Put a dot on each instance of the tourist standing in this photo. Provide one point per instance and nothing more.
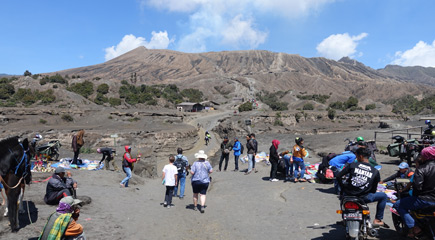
(237, 148)
(226, 147)
(299, 153)
(273, 159)
(182, 165)
(169, 177)
(200, 171)
(127, 165)
(251, 152)
(76, 144)
(255, 146)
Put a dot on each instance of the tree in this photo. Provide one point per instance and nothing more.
(103, 88)
(247, 106)
(351, 102)
(331, 114)
(27, 73)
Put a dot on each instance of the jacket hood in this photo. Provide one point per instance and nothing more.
(127, 148)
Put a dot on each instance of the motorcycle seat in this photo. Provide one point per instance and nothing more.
(353, 199)
(426, 210)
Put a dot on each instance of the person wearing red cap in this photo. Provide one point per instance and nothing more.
(423, 190)
(127, 165)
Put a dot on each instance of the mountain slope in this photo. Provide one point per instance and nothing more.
(244, 73)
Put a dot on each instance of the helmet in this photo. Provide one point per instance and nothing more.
(38, 137)
(298, 140)
(403, 165)
(427, 122)
(359, 139)
(127, 148)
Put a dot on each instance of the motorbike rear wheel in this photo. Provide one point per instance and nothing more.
(399, 225)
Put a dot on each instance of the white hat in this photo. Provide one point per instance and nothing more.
(201, 154)
(70, 201)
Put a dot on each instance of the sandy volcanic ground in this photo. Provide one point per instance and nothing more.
(238, 206)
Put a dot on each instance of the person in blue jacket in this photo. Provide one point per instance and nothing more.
(237, 148)
(342, 159)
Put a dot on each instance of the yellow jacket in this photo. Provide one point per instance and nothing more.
(299, 152)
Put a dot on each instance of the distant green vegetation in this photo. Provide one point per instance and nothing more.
(53, 79)
(247, 106)
(148, 93)
(370, 106)
(67, 117)
(315, 97)
(271, 99)
(410, 105)
(308, 106)
(10, 97)
(351, 104)
(103, 88)
(85, 88)
(114, 102)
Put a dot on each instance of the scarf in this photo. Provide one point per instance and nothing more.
(275, 143)
(59, 227)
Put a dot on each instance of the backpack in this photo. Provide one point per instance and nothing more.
(242, 148)
(180, 164)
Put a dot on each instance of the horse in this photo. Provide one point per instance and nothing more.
(14, 172)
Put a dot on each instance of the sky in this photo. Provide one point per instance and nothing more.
(47, 36)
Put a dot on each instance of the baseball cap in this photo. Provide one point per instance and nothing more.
(59, 170)
(403, 165)
(70, 201)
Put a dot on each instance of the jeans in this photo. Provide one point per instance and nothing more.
(181, 182)
(128, 172)
(225, 156)
(288, 168)
(379, 197)
(411, 203)
(168, 194)
(236, 162)
(301, 165)
(250, 162)
(76, 156)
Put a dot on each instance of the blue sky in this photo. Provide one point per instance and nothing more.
(47, 36)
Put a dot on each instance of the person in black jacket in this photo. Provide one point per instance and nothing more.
(58, 187)
(226, 147)
(362, 182)
(108, 156)
(423, 190)
(273, 159)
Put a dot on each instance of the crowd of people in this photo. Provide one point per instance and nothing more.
(354, 171)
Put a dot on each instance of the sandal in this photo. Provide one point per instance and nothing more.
(302, 180)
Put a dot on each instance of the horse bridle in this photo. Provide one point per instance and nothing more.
(23, 159)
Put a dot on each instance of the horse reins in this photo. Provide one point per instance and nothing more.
(23, 158)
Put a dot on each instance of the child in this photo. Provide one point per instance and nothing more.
(169, 178)
(299, 153)
(288, 161)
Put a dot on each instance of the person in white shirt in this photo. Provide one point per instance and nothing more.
(169, 178)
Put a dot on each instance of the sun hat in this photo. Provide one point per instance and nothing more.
(70, 201)
(59, 170)
(201, 154)
(403, 165)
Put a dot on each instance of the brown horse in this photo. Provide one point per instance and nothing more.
(14, 172)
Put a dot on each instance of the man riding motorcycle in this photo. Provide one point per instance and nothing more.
(423, 190)
(362, 182)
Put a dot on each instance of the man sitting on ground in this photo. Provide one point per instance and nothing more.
(362, 182)
(58, 186)
(62, 224)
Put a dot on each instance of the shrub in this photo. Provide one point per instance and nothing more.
(152, 102)
(351, 102)
(55, 86)
(298, 117)
(6, 90)
(337, 105)
(278, 122)
(308, 106)
(42, 121)
(135, 119)
(67, 117)
(370, 106)
(87, 150)
(193, 95)
(316, 97)
(85, 88)
(103, 88)
(114, 102)
(272, 101)
(27, 73)
(43, 81)
(100, 99)
(331, 114)
(247, 106)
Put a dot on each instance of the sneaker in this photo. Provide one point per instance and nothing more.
(169, 206)
(181, 198)
(255, 170)
(165, 204)
(202, 209)
(246, 173)
(235, 170)
(274, 180)
(195, 209)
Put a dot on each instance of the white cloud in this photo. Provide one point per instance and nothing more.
(129, 42)
(337, 46)
(230, 22)
(422, 54)
(241, 32)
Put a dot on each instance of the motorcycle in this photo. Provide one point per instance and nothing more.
(356, 218)
(408, 150)
(51, 150)
(424, 218)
